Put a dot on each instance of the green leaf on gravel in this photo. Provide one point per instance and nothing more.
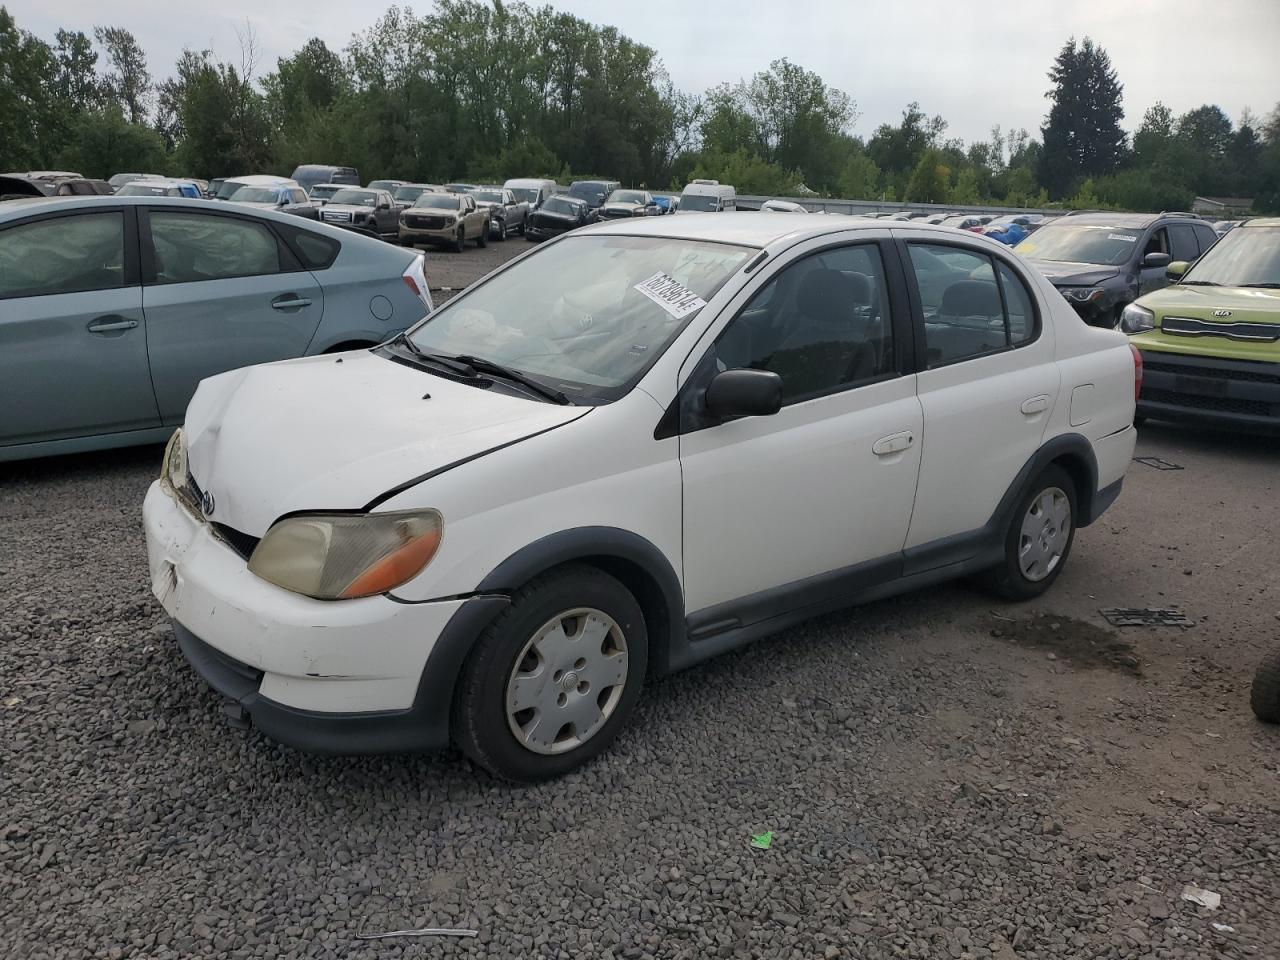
(762, 841)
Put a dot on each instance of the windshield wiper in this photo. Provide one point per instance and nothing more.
(1263, 286)
(497, 369)
(440, 359)
(1198, 283)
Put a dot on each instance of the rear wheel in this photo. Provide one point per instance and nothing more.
(552, 681)
(1038, 538)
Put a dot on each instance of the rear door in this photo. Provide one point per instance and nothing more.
(73, 349)
(987, 385)
(220, 291)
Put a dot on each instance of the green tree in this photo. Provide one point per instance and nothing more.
(27, 83)
(860, 179)
(127, 82)
(103, 142)
(930, 180)
(76, 82)
(1086, 197)
(1082, 136)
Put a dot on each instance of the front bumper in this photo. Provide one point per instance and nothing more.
(1210, 391)
(443, 235)
(351, 676)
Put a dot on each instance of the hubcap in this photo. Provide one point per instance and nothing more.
(1045, 530)
(567, 681)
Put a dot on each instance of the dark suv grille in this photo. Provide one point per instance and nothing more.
(1257, 408)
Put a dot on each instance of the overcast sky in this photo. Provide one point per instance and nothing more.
(976, 62)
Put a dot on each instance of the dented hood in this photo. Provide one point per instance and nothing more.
(335, 432)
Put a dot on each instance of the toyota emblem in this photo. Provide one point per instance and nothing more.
(1222, 313)
(206, 503)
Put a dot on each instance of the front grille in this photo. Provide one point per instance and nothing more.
(615, 214)
(337, 216)
(1196, 401)
(1223, 372)
(426, 223)
(242, 543)
(1250, 332)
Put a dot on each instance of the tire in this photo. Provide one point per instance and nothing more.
(1265, 695)
(524, 225)
(502, 230)
(461, 240)
(483, 239)
(512, 746)
(1035, 519)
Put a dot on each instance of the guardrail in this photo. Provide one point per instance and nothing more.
(855, 207)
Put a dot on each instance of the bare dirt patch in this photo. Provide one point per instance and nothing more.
(1077, 642)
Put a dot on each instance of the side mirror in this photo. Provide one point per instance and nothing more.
(1156, 260)
(1175, 270)
(744, 393)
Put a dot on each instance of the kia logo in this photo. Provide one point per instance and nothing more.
(206, 503)
(1222, 313)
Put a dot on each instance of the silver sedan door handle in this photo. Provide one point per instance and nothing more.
(110, 324)
(895, 443)
(290, 303)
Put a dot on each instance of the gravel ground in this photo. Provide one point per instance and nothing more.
(944, 777)
(449, 272)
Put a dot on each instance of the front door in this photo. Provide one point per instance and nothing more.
(1153, 278)
(73, 348)
(828, 482)
(223, 293)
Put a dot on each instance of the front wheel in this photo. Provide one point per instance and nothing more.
(483, 239)
(460, 240)
(1038, 538)
(551, 682)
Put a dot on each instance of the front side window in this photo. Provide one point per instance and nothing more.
(190, 247)
(1158, 242)
(822, 324)
(587, 315)
(1182, 241)
(62, 255)
(968, 312)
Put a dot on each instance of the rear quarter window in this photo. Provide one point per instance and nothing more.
(314, 252)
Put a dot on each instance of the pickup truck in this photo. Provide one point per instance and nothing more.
(506, 213)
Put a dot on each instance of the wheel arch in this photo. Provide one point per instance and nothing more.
(628, 557)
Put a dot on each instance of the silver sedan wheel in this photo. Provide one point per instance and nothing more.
(1046, 529)
(567, 681)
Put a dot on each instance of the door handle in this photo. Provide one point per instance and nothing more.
(109, 324)
(289, 302)
(1035, 405)
(895, 443)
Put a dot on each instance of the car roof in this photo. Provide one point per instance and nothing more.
(747, 229)
(258, 179)
(1135, 220)
(16, 209)
(1260, 222)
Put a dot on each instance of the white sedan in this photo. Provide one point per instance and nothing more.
(643, 444)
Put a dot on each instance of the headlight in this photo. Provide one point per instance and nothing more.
(1081, 294)
(342, 556)
(173, 469)
(1136, 319)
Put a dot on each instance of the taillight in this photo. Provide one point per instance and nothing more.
(1137, 373)
(415, 278)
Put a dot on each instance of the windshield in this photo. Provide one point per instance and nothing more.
(227, 188)
(626, 196)
(590, 192)
(1242, 258)
(409, 193)
(324, 190)
(256, 195)
(120, 179)
(699, 201)
(358, 198)
(560, 205)
(526, 194)
(588, 315)
(383, 184)
(488, 196)
(140, 188)
(1082, 243)
(438, 201)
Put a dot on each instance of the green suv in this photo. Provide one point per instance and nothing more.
(1210, 343)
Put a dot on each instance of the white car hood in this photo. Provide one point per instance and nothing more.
(334, 432)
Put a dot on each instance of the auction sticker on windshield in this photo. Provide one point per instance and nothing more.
(1121, 236)
(671, 295)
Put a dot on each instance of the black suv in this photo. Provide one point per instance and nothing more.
(1101, 262)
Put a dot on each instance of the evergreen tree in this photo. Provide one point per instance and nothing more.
(1082, 135)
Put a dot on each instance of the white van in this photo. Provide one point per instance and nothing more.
(232, 184)
(707, 196)
(532, 191)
